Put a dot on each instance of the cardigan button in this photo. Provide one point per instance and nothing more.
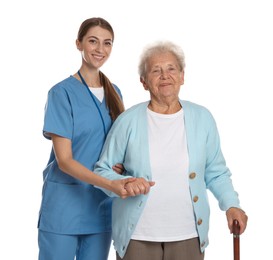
(192, 175)
(195, 198)
(199, 222)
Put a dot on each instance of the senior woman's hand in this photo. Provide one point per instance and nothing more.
(118, 186)
(118, 168)
(138, 186)
(238, 214)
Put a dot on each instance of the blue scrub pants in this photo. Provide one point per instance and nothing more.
(66, 247)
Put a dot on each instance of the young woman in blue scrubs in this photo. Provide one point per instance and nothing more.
(75, 217)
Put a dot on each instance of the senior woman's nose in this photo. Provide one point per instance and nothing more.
(164, 74)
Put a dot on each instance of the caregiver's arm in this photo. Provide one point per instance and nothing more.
(66, 162)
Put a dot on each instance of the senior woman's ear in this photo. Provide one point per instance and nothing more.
(142, 80)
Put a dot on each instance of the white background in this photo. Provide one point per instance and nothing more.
(228, 48)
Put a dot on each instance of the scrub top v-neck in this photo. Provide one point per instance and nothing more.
(70, 206)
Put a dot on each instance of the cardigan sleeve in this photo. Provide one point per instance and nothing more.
(217, 174)
(113, 152)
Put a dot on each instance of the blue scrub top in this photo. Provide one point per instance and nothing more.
(70, 206)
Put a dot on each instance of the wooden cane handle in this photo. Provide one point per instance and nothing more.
(236, 228)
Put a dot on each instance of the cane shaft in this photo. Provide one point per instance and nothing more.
(236, 240)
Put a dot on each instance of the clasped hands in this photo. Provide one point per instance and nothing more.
(132, 186)
(138, 186)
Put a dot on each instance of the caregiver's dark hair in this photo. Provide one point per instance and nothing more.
(112, 98)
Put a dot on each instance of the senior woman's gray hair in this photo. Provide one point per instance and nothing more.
(157, 48)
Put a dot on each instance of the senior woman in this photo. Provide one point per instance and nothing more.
(174, 143)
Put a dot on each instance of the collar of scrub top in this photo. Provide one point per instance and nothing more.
(93, 98)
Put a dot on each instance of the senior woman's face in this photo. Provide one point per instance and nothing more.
(163, 77)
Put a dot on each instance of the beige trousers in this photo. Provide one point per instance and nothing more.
(179, 250)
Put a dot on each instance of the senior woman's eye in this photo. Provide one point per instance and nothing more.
(156, 71)
(171, 68)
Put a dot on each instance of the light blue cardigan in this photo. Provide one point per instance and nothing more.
(127, 143)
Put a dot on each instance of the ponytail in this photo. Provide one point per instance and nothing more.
(112, 98)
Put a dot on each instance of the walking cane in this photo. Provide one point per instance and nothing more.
(236, 239)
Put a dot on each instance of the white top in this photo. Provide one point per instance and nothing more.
(168, 214)
(98, 92)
